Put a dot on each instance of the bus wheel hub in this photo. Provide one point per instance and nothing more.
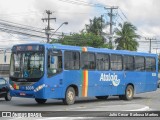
(129, 93)
(70, 95)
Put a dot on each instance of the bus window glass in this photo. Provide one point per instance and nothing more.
(116, 62)
(27, 64)
(139, 63)
(71, 60)
(102, 61)
(150, 64)
(128, 63)
(54, 62)
(88, 60)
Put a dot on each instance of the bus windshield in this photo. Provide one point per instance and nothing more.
(27, 64)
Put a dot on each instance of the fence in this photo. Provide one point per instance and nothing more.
(4, 68)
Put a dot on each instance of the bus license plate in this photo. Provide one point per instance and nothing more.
(22, 94)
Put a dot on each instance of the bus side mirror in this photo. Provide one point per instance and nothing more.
(52, 60)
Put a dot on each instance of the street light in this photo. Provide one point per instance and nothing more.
(66, 23)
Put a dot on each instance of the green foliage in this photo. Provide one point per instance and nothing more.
(126, 37)
(83, 39)
(92, 36)
(96, 25)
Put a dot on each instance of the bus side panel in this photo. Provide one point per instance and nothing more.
(54, 86)
(118, 88)
(97, 86)
(151, 81)
(121, 87)
(102, 83)
(137, 79)
(72, 77)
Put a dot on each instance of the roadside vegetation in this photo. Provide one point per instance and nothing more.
(125, 36)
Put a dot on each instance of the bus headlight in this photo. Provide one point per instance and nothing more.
(39, 88)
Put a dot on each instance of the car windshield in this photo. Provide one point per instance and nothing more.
(27, 64)
(2, 81)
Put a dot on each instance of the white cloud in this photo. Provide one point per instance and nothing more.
(144, 14)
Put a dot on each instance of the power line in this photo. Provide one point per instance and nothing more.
(22, 33)
(47, 30)
(123, 14)
(11, 27)
(83, 3)
(17, 27)
(150, 39)
(120, 17)
(20, 24)
(111, 23)
(128, 19)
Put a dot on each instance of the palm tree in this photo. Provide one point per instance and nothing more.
(95, 26)
(126, 37)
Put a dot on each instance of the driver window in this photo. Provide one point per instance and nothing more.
(54, 62)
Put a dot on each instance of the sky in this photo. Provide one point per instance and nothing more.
(144, 14)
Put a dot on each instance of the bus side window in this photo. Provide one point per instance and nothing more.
(54, 62)
(71, 60)
(128, 62)
(102, 61)
(88, 61)
(150, 64)
(139, 63)
(116, 62)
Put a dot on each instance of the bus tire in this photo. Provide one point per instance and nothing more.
(69, 96)
(40, 101)
(8, 97)
(102, 97)
(129, 92)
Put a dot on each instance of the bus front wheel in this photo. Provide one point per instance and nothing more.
(129, 92)
(69, 96)
(40, 101)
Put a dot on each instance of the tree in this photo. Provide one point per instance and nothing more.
(96, 25)
(83, 39)
(90, 36)
(126, 37)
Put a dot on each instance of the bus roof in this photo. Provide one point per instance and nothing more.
(90, 49)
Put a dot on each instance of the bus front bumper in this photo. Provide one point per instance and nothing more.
(19, 93)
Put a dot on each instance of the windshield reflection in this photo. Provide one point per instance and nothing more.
(27, 65)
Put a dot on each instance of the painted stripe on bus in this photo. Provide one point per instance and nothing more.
(85, 83)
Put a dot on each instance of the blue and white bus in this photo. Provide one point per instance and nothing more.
(55, 71)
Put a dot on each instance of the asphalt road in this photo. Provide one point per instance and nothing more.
(141, 102)
(147, 101)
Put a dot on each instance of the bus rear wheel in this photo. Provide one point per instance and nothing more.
(102, 97)
(129, 93)
(69, 96)
(40, 101)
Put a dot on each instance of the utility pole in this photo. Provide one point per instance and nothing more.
(156, 49)
(150, 42)
(47, 30)
(101, 24)
(111, 23)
